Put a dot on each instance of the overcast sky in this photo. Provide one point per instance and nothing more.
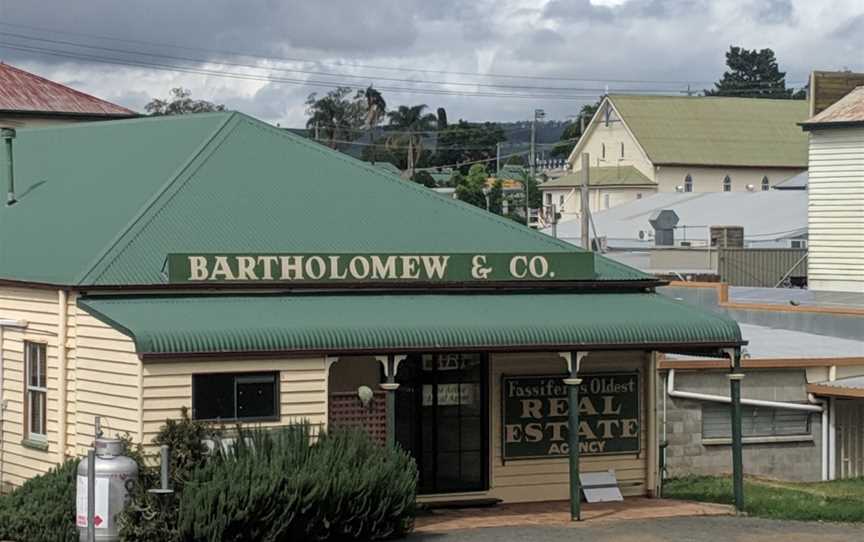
(595, 45)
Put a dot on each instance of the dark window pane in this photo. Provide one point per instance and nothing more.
(213, 396)
(256, 396)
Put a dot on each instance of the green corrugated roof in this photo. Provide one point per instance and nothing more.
(388, 167)
(381, 323)
(602, 176)
(717, 131)
(105, 203)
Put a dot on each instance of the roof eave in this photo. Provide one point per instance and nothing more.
(739, 166)
(70, 114)
(810, 126)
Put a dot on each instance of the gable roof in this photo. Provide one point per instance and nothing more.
(848, 111)
(602, 176)
(715, 131)
(104, 203)
(25, 92)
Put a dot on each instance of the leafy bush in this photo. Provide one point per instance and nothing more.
(43, 509)
(150, 517)
(274, 486)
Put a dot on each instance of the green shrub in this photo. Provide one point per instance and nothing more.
(275, 486)
(150, 517)
(43, 509)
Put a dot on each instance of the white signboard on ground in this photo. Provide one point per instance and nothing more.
(600, 486)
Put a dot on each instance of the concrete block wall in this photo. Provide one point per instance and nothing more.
(687, 454)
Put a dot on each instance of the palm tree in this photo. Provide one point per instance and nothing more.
(413, 124)
(332, 115)
(376, 107)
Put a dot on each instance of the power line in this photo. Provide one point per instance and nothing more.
(302, 82)
(307, 82)
(496, 86)
(581, 98)
(443, 147)
(342, 65)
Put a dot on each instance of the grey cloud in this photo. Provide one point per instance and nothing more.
(774, 11)
(577, 10)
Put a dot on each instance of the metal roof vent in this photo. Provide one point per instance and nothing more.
(7, 135)
(664, 222)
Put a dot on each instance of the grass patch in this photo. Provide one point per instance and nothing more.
(840, 500)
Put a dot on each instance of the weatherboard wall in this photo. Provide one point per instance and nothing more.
(526, 480)
(167, 388)
(836, 210)
(39, 309)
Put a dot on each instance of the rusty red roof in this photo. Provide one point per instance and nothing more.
(25, 92)
(848, 110)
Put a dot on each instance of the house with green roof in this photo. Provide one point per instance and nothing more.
(218, 264)
(687, 144)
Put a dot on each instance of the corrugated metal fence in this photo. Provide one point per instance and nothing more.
(763, 267)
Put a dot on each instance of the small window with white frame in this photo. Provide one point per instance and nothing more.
(688, 183)
(622, 150)
(766, 185)
(235, 396)
(548, 198)
(36, 391)
(727, 184)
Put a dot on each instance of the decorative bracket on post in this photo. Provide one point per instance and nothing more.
(329, 361)
(385, 362)
(573, 369)
(391, 366)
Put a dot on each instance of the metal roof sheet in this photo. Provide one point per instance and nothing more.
(602, 176)
(765, 216)
(105, 203)
(25, 92)
(380, 323)
(850, 383)
(772, 342)
(849, 109)
(717, 131)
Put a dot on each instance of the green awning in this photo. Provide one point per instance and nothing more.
(164, 326)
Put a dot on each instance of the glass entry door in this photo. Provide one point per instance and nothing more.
(442, 420)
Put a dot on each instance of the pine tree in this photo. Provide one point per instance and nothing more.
(752, 74)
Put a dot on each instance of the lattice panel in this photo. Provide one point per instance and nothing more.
(346, 410)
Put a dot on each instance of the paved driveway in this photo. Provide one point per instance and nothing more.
(683, 529)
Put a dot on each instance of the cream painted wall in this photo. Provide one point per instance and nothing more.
(167, 388)
(599, 198)
(39, 309)
(611, 137)
(710, 179)
(549, 479)
(836, 210)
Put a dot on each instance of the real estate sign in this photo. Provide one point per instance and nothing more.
(403, 268)
(535, 410)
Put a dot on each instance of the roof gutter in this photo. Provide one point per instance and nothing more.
(810, 126)
(711, 349)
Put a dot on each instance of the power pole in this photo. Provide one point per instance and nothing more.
(586, 237)
(538, 114)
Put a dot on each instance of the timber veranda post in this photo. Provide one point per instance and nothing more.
(573, 382)
(390, 387)
(735, 377)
